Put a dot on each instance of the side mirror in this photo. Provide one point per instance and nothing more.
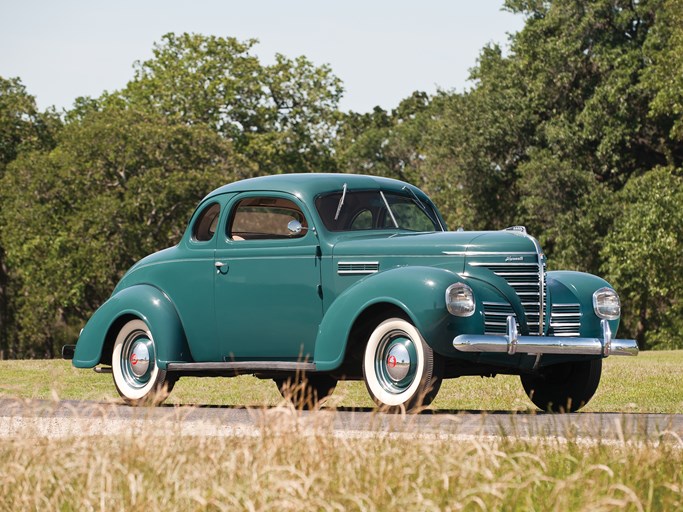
(294, 227)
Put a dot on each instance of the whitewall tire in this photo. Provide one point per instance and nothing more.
(137, 377)
(400, 370)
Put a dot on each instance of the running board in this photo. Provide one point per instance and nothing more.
(242, 366)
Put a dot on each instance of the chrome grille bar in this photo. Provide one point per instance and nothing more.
(565, 319)
(531, 292)
(495, 316)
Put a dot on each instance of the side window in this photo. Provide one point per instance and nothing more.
(205, 225)
(266, 218)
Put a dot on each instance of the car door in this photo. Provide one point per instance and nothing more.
(267, 290)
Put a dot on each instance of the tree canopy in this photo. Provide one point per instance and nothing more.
(282, 116)
(574, 128)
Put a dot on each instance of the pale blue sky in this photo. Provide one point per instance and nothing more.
(382, 50)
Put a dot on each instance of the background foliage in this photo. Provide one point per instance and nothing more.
(576, 131)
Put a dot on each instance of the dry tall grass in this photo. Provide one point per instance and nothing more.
(283, 466)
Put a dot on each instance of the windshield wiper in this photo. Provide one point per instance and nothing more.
(421, 205)
(341, 203)
(389, 209)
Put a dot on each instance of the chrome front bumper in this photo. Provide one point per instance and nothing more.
(513, 343)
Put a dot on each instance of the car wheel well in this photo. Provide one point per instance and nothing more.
(360, 331)
(110, 338)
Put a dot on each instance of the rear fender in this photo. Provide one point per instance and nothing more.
(140, 301)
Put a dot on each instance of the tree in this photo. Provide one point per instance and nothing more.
(383, 143)
(476, 142)
(22, 127)
(587, 101)
(663, 51)
(282, 116)
(119, 184)
(642, 256)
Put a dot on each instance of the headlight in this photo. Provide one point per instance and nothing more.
(606, 304)
(460, 300)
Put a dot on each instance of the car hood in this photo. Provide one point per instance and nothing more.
(448, 244)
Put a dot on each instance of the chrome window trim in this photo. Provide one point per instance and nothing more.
(489, 253)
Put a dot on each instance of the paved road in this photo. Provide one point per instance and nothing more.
(56, 419)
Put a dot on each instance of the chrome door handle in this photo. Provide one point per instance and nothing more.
(219, 265)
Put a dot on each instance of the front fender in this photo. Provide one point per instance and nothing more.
(418, 291)
(146, 303)
(566, 287)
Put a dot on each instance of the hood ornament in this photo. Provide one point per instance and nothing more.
(517, 229)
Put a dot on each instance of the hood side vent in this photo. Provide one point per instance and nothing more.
(357, 267)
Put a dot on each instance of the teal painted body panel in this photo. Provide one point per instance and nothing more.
(418, 291)
(146, 303)
(578, 287)
(287, 296)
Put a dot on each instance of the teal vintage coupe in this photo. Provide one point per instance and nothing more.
(312, 278)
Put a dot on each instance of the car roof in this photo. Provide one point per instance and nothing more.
(309, 185)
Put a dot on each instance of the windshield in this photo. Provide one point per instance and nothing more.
(375, 210)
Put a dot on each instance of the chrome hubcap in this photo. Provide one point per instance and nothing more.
(398, 362)
(137, 359)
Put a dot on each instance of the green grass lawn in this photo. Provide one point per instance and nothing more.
(651, 382)
(285, 468)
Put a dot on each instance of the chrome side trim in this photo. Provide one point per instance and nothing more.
(512, 343)
(241, 366)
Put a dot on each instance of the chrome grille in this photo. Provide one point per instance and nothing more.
(528, 281)
(495, 317)
(565, 319)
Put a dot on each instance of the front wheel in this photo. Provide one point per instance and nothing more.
(137, 377)
(563, 387)
(400, 370)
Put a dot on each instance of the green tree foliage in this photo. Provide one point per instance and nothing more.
(575, 129)
(383, 143)
(663, 51)
(643, 254)
(118, 185)
(22, 128)
(476, 143)
(586, 101)
(21, 125)
(121, 178)
(281, 116)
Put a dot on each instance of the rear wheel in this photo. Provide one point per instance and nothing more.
(400, 370)
(307, 391)
(137, 377)
(563, 387)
